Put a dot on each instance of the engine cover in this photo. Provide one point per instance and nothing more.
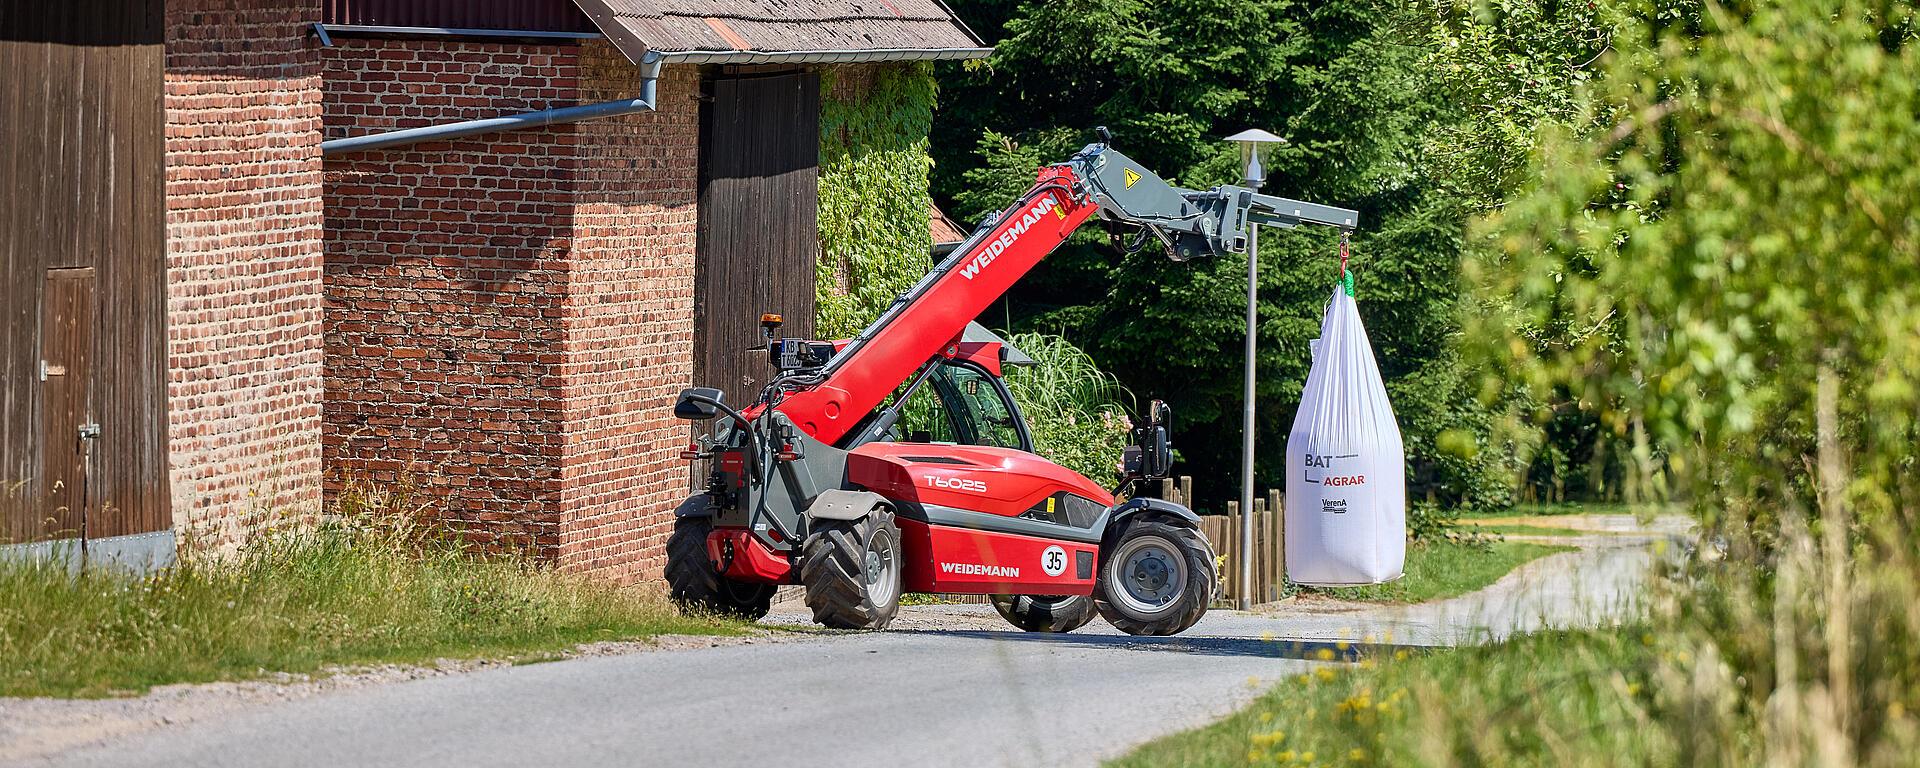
(996, 481)
(986, 520)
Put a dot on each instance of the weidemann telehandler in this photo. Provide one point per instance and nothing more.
(838, 478)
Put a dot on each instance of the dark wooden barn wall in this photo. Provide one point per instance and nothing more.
(82, 172)
(759, 202)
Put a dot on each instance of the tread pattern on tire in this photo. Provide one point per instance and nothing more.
(1046, 613)
(693, 584)
(1201, 576)
(833, 571)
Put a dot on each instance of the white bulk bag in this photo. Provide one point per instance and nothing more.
(1346, 505)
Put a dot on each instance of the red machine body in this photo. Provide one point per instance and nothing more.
(936, 485)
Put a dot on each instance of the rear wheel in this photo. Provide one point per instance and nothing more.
(851, 570)
(1156, 580)
(1046, 613)
(696, 587)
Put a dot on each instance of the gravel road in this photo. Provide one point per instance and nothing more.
(949, 686)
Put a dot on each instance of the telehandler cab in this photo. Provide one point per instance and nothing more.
(839, 479)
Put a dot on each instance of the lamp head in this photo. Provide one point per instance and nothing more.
(1254, 144)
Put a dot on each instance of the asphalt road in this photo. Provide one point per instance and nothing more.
(951, 689)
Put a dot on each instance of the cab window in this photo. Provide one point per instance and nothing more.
(962, 404)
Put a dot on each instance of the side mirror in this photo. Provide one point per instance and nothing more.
(698, 403)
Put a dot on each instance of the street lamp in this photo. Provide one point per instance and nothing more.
(1253, 144)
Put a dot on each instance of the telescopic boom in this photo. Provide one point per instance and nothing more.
(928, 320)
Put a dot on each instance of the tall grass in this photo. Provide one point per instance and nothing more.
(1797, 648)
(1074, 408)
(367, 585)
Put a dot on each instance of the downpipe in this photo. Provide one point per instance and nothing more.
(649, 79)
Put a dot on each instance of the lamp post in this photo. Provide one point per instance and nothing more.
(1253, 143)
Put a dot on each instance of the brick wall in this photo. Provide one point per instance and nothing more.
(509, 315)
(445, 281)
(629, 322)
(243, 262)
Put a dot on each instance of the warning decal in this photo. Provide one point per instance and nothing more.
(1132, 176)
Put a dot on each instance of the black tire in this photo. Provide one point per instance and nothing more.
(1046, 613)
(697, 588)
(1169, 586)
(834, 568)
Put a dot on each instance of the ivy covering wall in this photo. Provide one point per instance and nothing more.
(875, 244)
(874, 241)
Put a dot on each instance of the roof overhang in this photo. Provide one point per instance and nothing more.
(853, 56)
(783, 33)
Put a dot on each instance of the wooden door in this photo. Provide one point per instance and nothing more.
(758, 238)
(67, 319)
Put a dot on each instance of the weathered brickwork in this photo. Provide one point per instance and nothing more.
(243, 263)
(445, 275)
(508, 315)
(629, 322)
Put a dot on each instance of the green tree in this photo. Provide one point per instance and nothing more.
(1741, 231)
(1722, 264)
(1344, 82)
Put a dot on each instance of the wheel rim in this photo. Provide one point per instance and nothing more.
(1151, 576)
(879, 570)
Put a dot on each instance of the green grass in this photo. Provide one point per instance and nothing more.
(338, 595)
(1526, 530)
(1573, 508)
(1547, 699)
(1441, 569)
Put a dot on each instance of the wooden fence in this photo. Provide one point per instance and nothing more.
(1223, 531)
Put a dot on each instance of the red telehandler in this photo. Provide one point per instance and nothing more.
(897, 461)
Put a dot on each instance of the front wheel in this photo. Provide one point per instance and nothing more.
(1156, 580)
(1046, 613)
(851, 571)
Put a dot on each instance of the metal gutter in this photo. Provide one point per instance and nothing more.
(649, 73)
